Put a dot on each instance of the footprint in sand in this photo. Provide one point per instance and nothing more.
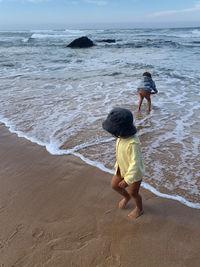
(1, 244)
(37, 233)
(71, 243)
(2, 209)
(18, 229)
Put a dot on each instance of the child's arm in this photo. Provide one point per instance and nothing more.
(155, 91)
(136, 169)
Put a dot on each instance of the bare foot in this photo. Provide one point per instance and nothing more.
(135, 213)
(123, 202)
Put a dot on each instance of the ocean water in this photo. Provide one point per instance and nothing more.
(58, 97)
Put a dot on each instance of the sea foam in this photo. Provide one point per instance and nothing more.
(58, 97)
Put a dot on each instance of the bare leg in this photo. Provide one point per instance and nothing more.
(148, 98)
(114, 184)
(141, 100)
(134, 192)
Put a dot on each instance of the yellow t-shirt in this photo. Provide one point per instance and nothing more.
(129, 159)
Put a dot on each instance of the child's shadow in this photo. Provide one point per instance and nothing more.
(129, 206)
(148, 209)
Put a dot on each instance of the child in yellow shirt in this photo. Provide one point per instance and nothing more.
(129, 167)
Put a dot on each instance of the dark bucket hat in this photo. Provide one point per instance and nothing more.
(120, 123)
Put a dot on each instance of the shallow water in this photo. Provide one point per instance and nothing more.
(58, 97)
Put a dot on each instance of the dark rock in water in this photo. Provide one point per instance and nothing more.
(108, 41)
(82, 42)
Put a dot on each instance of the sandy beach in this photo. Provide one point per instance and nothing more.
(57, 211)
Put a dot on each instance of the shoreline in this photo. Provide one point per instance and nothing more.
(59, 211)
(100, 166)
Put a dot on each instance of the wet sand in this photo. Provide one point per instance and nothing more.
(57, 211)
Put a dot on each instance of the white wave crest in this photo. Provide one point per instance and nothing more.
(74, 31)
(46, 36)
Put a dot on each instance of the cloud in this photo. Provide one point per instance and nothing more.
(97, 2)
(175, 11)
(37, 1)
(75, 2)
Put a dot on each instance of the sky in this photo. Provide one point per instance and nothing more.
(46, 14)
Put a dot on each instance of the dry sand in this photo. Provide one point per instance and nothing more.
(56, 211)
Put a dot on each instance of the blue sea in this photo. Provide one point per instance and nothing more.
(58, 97)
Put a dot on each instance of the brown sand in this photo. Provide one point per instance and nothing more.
(57, 211)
